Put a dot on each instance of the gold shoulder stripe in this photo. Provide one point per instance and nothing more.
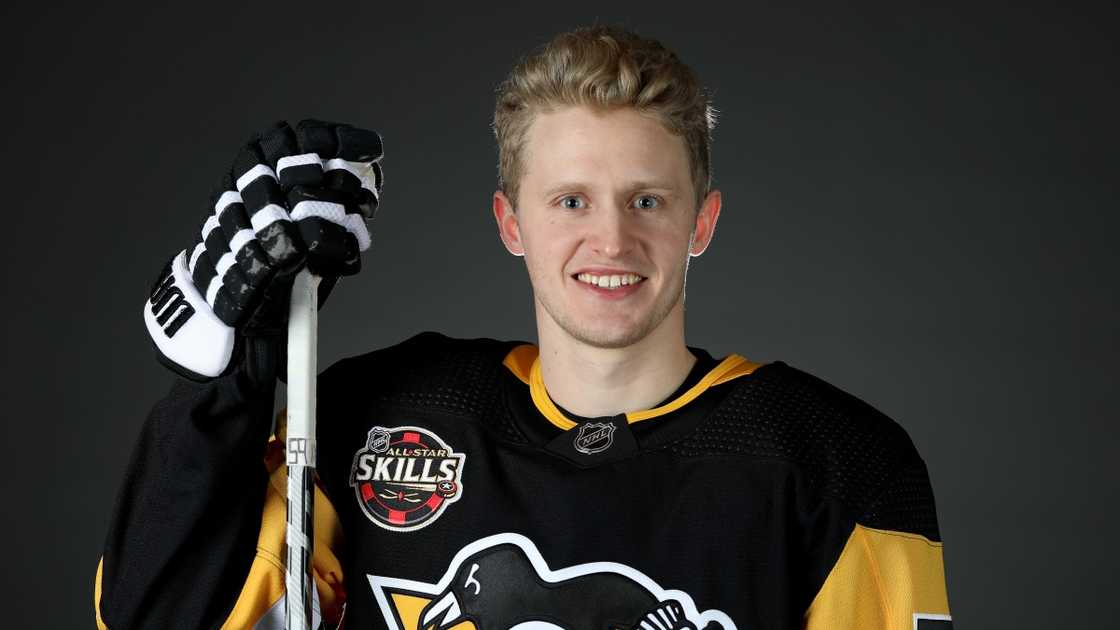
(524, 362)
(881, 580)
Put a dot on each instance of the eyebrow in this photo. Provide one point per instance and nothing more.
(640, 184)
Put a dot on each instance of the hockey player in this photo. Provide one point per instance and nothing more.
(609, 476)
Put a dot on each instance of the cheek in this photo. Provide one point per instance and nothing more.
(671, 242)
(540, 261)
(547, 244)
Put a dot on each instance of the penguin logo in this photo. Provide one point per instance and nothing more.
(502, 582)
(594, 437)
(405, 477)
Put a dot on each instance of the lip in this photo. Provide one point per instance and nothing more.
(605, 271)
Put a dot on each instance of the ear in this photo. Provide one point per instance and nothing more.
(705, 227)
(508, 227)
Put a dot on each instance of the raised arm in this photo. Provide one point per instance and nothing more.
(193, 538)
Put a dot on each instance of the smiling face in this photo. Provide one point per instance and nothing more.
(606, 221)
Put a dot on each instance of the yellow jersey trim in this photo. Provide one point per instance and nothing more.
(732, 367)
(97, 596)
(264, 585)
(525, 363)
(520, 361)
(882, 580)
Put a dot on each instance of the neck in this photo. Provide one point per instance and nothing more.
(591, 381)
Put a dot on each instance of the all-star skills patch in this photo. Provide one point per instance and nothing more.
(405, 477)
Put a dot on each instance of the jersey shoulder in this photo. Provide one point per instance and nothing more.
(429, 371)
(847, 450)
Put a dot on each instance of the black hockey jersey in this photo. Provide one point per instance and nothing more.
(454, 494)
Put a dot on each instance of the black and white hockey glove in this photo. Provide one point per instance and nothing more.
(293, 197)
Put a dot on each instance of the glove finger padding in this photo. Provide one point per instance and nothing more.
(256, 180)
(354, 166)
(227, 290)
(257, 243)
(320, 215)
(332, 187)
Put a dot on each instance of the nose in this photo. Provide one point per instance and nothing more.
(612, 232)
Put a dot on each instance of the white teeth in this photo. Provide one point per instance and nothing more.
(609, 282)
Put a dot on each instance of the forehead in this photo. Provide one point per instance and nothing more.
(584, 144)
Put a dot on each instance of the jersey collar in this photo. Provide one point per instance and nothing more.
(524, 362)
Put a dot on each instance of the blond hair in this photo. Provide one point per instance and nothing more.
(603, 67)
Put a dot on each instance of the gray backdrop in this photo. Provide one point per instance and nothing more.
(919, 206)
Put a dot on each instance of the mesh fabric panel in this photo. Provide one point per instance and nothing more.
(432, 371)
(905, 505)
(846, 450)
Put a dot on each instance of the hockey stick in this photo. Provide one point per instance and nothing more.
(300, 448)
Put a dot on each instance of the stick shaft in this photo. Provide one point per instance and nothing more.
(300, 447)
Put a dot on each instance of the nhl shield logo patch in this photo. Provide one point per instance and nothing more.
(405, 477)
(594, 437)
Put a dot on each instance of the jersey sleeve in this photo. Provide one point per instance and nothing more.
(184, 528)
(890, 573)
(197, 536)
(260, 604)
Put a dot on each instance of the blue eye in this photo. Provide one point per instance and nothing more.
(647, 202)
(571, 203)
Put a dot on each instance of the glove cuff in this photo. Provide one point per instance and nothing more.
(188, 336)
